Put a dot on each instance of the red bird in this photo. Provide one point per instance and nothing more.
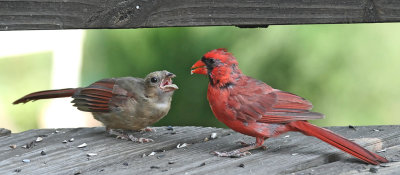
(253, 108)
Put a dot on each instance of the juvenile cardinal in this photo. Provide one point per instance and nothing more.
(127, 103)
(254, 108)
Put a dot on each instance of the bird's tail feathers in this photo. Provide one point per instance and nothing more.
(338, 142)
(59, 93)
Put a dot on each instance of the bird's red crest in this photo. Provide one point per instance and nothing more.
(221, 54)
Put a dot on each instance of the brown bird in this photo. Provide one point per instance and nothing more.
(126, 103)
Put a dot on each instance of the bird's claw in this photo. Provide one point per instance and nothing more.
(139, 140)
(148, 130)
(123, 136)
(232, 154)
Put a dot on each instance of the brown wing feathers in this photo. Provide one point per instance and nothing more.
(96, 97)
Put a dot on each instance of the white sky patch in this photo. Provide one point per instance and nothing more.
(66, 47)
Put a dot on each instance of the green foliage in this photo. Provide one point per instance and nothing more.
(347, 71)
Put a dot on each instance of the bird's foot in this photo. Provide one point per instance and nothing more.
(123, 136)
(140, 140)
(148, 129)
(242, 151)
(232, 154)
(250, 144)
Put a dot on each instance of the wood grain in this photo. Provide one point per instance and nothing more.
(102, 14)
(290, 153)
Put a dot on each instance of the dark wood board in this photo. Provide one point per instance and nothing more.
(103, 14)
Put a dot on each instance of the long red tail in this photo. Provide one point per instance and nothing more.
(46, 94)
(338, 142)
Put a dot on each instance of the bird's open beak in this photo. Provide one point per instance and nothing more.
(166, 83)
(199, 68)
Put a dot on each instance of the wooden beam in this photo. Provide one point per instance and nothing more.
(91, 14)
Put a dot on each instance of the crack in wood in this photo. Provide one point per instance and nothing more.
(371, 11)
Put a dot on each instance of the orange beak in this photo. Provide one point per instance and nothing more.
(199, 68)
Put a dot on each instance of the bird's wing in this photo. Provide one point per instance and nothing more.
(256, 101)
(101, 96)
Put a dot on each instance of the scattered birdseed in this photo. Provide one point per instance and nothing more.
(172, 133)
(241, 165)
(28, 145)
(181, 145)
(382, 150)
(294, 154)
(13, 146)
(125, 164)
(43, 153)
(160, 156)
(202, 164)
(205, 139)
(17, 170)
(71, 140)
(373, 170)
(213, 135)
(376, 130)
(26, 160)
(83, 145)
(38, 139)
(140, 140)
(171, 162)
(352, 127)
(64, 141)
(154, 167)
(77, 173)
(152, 154)
(287, 136)
(57, 131)
(170, 128)
(91, 154)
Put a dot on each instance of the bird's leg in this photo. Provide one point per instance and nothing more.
(123, 136)
(242, 151)
(247, 144)
(148, 129)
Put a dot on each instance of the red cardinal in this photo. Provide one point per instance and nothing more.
(254, 108)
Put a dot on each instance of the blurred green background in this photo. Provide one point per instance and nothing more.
(349, 72)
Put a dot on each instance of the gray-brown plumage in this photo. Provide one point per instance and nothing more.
(120, 103)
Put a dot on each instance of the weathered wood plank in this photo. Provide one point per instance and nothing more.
(290, 153)
(85, 14)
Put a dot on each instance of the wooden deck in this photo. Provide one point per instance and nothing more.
(292, 153)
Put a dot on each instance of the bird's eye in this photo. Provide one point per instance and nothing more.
(211, 61)
(153, 79)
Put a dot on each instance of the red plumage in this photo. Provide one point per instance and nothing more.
(254, 108)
